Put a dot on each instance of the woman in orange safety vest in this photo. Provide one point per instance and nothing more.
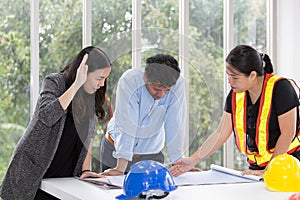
(262, 109)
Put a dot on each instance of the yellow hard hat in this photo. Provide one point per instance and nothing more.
(283, 174)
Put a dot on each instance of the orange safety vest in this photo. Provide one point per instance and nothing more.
(239, 105)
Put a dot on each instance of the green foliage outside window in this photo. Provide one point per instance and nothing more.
(14, 76)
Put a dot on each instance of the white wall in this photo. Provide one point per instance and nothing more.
(288, 39)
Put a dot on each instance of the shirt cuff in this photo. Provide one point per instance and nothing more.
(124, 155)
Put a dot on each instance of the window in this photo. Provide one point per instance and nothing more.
(205, 74)
(59, 35)
(14, 76)
(249, 28)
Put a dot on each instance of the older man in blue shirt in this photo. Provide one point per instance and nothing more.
(150, 112)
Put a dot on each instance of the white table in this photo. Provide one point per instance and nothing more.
(73, 189)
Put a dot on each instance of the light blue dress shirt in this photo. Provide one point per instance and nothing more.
(143, 125)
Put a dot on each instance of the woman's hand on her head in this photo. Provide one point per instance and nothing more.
(89, 174)
(182, 165)
(112, 172)
(81, 74)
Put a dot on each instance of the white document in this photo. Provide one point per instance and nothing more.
(235, 172)
(109, 182)
(116, 180)
(216, 175)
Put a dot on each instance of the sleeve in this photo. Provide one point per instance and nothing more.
(228, 103)
(176, 121)
(49, 107)
(125, 118)
(285, 97)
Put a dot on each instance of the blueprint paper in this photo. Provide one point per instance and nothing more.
(216, 175)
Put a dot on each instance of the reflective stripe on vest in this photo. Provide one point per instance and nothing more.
(239, 105)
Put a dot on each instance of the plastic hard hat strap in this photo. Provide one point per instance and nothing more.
(153, 194)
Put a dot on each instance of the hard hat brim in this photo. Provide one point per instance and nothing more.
(123, 196)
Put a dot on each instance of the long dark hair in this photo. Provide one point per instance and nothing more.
(246, 59)
(97, 59)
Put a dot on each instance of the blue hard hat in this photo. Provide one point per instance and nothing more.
(144, 176)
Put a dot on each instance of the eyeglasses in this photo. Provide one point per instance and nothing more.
(251, 121)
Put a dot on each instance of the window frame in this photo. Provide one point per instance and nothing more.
(136, 47)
